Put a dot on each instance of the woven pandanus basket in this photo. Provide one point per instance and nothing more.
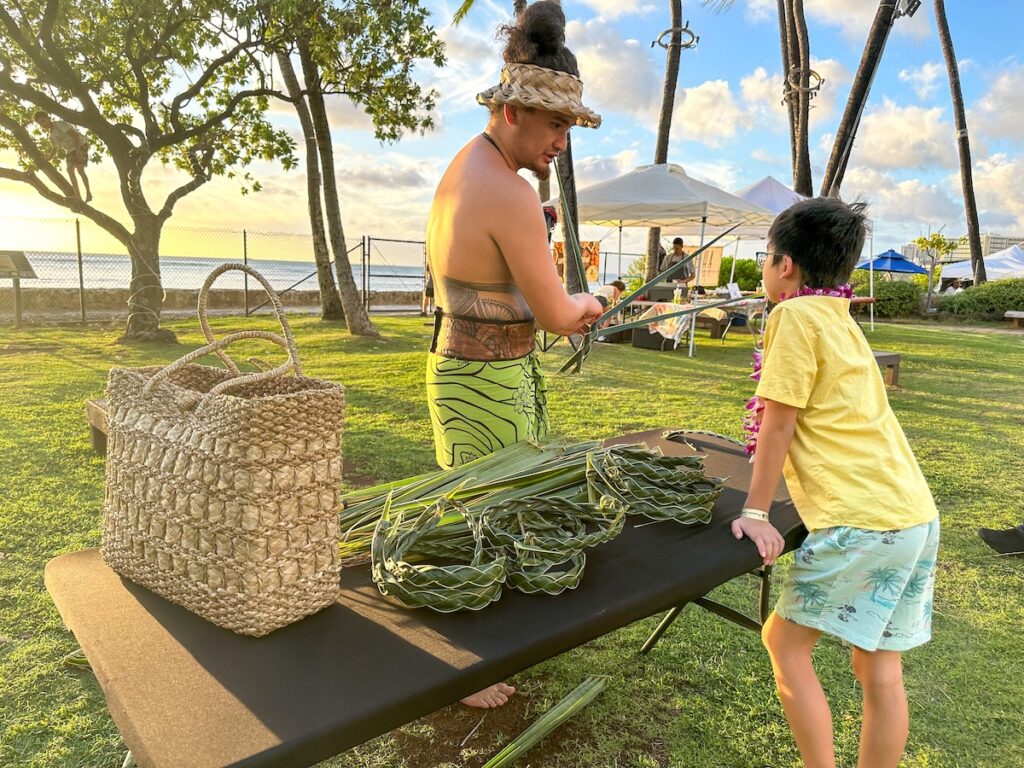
(222, 487)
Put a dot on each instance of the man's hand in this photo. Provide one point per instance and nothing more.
(766, 538)
(591, 308)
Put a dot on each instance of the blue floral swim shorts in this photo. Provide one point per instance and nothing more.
(872, 589)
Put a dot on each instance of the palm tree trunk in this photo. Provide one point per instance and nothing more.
(355, 313)
(802, 54)
(330, 301)
(668, 101)
(843, 146)
(963, 143)
(787, 91)
(564, 168)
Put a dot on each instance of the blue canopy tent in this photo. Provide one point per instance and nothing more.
(890, 261)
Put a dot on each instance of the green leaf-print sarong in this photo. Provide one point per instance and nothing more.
(478, 407)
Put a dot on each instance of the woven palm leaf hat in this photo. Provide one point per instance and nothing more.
(531, 86)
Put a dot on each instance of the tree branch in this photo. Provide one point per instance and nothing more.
(28, 145)
(111, 225)
(180, 192)
(182, 135)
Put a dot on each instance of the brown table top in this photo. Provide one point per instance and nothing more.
(184, 692)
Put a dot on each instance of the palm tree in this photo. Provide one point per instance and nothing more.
(330, 302)
(668, 101)
(873, 48)
(800, 68)
(356, 316)
(963, 143)
(884, 580)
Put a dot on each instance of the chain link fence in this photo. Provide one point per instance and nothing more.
(82, 274)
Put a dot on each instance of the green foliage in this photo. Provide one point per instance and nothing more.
(748, 274)
(368, 50)
(987, 301)
(141, 79)
(896, 298)
(922, 280)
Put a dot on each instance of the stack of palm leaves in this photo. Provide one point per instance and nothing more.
(523, 515)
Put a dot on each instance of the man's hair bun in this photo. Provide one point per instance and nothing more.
(538, 37)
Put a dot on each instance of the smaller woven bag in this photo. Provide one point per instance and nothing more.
(222, 487)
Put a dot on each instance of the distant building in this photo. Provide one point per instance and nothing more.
(990, 243)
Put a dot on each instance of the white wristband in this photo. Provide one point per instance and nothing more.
(754, 514)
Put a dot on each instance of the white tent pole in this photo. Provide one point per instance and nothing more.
(735, 255)
(693, 317)
(619, 276)
(871, 278)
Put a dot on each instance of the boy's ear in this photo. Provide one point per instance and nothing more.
(788, 267)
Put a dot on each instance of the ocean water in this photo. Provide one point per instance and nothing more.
(112, 270)
(108, 270)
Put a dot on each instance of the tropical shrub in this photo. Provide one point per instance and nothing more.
(748, 274)
(987, 301)
(895, 298)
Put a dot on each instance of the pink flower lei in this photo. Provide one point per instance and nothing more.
(755, 408)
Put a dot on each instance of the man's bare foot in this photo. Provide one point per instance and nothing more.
(492, 696)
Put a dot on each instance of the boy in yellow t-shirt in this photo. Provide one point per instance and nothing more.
(866, 571)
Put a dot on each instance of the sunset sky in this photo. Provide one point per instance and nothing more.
(729, 127)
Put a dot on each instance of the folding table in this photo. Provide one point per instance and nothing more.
(184, 692)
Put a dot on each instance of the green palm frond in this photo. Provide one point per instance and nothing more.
(463, 12)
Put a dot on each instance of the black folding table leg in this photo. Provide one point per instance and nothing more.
(665, 624)
(765, 593)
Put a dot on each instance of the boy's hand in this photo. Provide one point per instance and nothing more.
(766, 538)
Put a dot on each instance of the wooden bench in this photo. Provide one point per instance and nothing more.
(1015, 318)
(96, 415)
(890, 364)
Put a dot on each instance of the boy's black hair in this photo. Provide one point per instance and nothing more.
(824, 236)
(677, 241)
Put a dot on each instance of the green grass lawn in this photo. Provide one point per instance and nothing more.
(703, 697)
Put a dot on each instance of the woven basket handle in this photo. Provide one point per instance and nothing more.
(275, 300)
(217, 346)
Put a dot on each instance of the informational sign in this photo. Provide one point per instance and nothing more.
(15, 264)
(734, 291)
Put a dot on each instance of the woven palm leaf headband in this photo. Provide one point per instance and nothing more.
(527, 85)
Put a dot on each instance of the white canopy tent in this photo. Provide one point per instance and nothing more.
(998, 266)
(665, 196)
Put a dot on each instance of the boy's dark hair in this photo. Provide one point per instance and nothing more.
(618, 284)
(677, 241)
(824, 236)
(538, 37)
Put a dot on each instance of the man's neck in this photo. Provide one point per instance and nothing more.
(499, 142)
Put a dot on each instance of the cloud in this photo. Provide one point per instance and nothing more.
(923, 79)
(894, 136)
(618, 74)
(910, 202)
(708, 113)
(597, 168)
(613, 9)
(1000, 112)
(346, 114)
(999, 192)
(763, 94)
(760, 10)
(854, 18)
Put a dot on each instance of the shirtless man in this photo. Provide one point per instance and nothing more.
(494, 278)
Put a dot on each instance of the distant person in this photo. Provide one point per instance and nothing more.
(954, 288)
(608, 296)
(67, 141)
(487, 243)
(686, 273)
(866, 571)
(427, 303)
